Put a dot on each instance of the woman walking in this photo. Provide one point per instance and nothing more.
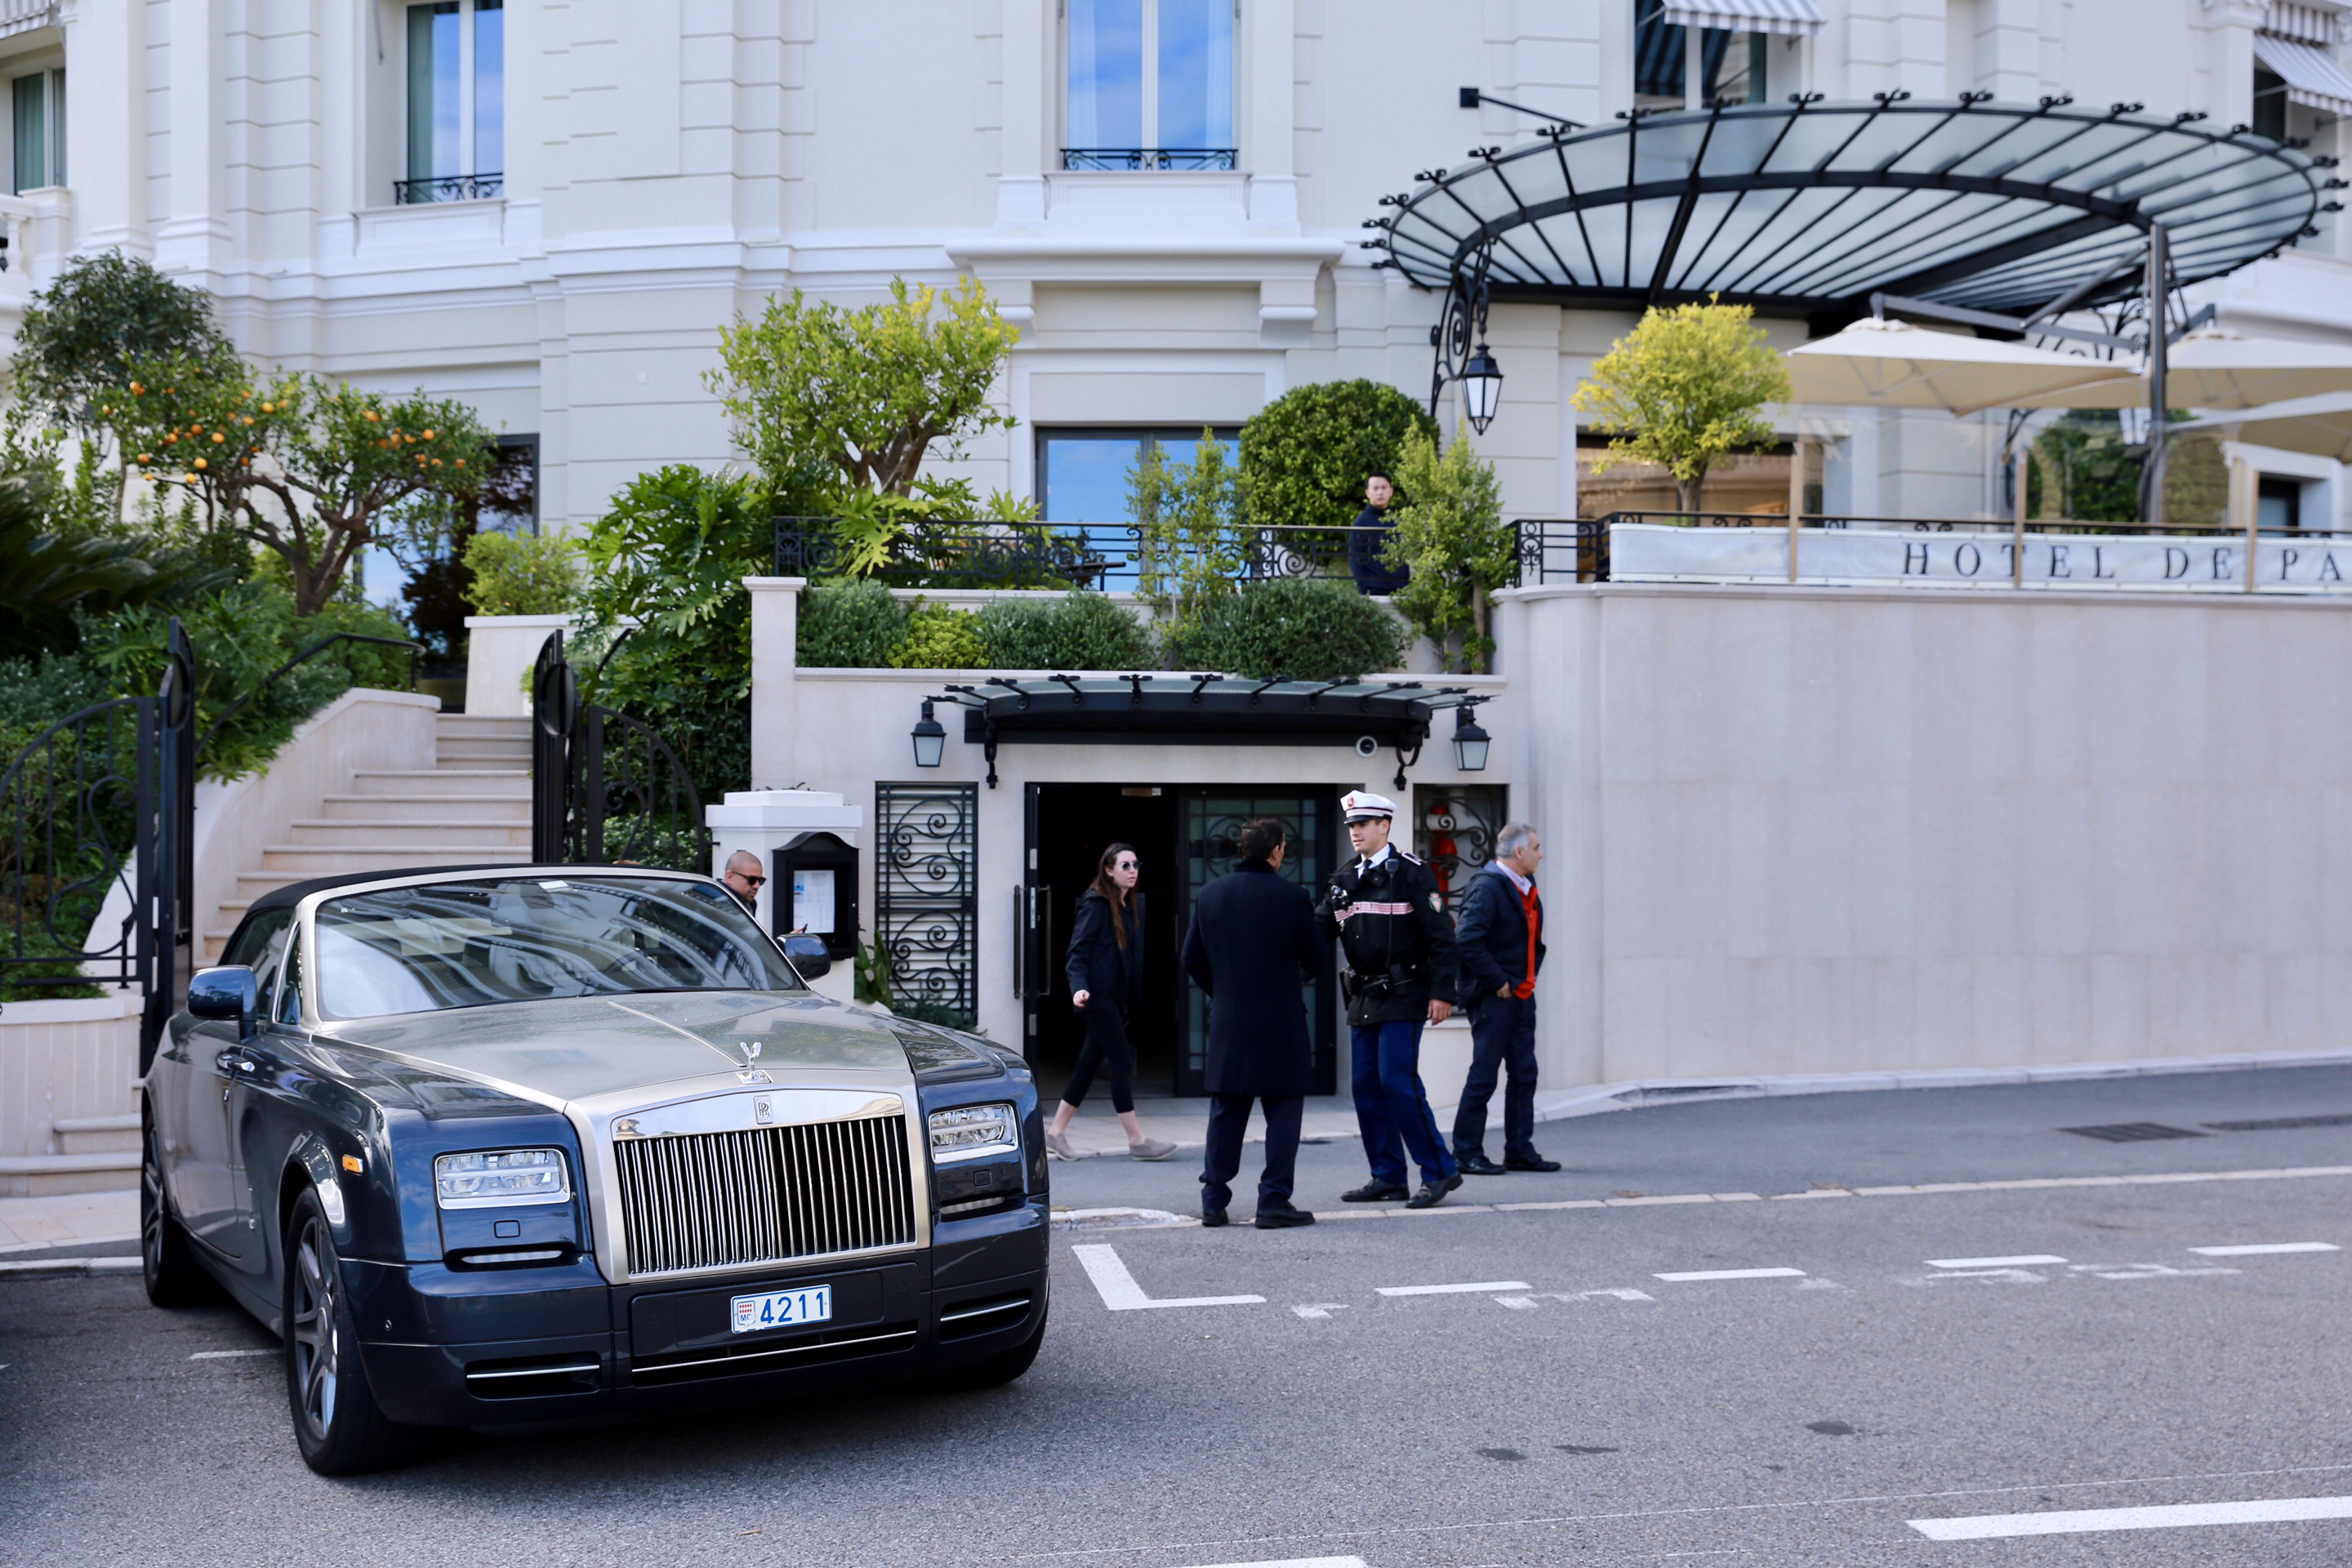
(1106, 970)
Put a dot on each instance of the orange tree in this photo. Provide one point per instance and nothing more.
(312, 471)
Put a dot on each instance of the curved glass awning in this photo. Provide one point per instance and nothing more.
(1802, 208)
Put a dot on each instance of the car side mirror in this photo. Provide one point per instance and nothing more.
(808, 954)
(227, 991)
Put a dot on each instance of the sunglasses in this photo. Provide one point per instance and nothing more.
(746, 876)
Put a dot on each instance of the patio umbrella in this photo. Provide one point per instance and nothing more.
(2214, 368)
(2319, 425)
(1893, 364)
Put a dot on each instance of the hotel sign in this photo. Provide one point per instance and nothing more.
(2211, 562)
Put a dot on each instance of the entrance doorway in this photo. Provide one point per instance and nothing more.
(1185, 836)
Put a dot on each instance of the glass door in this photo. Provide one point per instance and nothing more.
(1213, 819)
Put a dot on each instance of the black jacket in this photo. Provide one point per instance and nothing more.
(1367, 540)
(1112, 976)
(1398, 942)
(1252, 947)
(1493, 935)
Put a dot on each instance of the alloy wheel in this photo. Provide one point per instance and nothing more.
(316, 1346)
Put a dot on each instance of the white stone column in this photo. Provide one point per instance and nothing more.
(2229, 59)
(1267, 149)
(775, 666)
(106, 123)
(194, 239)
(1029, 113)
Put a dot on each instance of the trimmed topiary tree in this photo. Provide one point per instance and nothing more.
(1298, 628)
(1305, 456)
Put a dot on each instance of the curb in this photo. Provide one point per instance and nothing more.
(68, 1268)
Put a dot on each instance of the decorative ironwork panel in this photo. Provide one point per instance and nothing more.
(1193, 158)
(633, 802)
(449, 188)
(1454, 829)
(926, 899)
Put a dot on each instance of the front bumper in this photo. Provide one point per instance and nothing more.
(449, 1348)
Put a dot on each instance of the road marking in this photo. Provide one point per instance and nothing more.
(1120, 1293)
(1526, 1303)
(1298, 1563)
(1695, 1276)
(2023, 1260)
(1320, 1309)
(227, 1355)
(1486, 1287)
(2088, 1520)
(2260, 1249)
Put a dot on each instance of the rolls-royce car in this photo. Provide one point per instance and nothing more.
(507, 1146)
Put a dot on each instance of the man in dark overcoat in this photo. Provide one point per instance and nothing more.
(1252, 947)
(1502, 946)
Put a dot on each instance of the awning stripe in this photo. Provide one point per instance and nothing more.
(1796, 17)
(2312, 78)
(2311, 24)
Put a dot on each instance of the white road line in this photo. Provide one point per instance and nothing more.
(1298, 1563)
(1120, 1293)
(227, 1355)
(2088, 1520)
(1696, 1274)
(2260, 1249)
(2023, 1260)
(1483, 1289)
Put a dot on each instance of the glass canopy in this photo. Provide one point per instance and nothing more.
(1802, 208)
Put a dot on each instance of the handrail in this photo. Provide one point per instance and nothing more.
(234, 709)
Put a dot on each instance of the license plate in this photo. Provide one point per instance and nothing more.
(783, 1309)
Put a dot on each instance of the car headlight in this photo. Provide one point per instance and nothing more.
(498, 1177)
(968, 1131)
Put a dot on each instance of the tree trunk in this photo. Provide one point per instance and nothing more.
(1687, 494)
(1482, 615)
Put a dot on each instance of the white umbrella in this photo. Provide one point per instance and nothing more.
(1895, 365)
(2319, 425)
(2214, 368)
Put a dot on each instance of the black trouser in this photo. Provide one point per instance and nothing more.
(1106, 1046)
(1228, 1119)
(1502, 1035)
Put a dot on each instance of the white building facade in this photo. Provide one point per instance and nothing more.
(550, 209)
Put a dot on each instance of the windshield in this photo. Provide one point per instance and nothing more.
(464, 945)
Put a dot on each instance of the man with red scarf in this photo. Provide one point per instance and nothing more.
(1501, 939)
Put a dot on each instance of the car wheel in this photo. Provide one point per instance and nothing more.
(999, 1367)
(167, 1264)
(341, 1429)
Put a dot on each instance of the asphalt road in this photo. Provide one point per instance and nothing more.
(1571, 1406)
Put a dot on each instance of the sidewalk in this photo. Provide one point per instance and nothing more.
(1185, 1123)
(68, 1219)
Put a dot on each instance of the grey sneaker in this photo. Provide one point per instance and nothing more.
(1149, 1149)
(1057, 1144)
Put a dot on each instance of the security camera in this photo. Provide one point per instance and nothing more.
(1366, 746)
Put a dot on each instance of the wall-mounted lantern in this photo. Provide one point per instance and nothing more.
(931, 738)
(1482, 390)
(1470, 742)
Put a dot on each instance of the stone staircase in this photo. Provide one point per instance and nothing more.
(471, 807)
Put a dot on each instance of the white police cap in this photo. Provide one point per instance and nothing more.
(1360, 805)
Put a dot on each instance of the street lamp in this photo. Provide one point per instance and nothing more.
(1481, 389)
(1470, 742)
(930, 738)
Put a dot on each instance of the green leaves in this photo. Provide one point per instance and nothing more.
(1297, 628)
(1305, 455)
(940, 638)
(105, 314)
(1451, 536)
(832, 399)
(850, 625)
(1064, 632)
(1682, 389)
(1189, 551)
(521, 573)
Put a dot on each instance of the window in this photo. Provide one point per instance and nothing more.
(1082, 474)
(1453, 830)
(457, 102)
(1731, 64)
(1150, 84)
(39, 101)
(2270, 104)
(2278, 502)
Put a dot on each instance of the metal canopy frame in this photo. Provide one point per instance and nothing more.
(1203, 711)
(1809, 208)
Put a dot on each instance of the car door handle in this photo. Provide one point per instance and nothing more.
(233, 1062)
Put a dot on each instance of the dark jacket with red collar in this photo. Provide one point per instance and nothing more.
(1398, 941)
(1493, 936)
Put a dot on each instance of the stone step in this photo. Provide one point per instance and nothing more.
(504, 725)
(511, 782)
(296, 861)
(426, 808)
(462, 751)
(50, 1175)
(96, 1134)
(331, 832)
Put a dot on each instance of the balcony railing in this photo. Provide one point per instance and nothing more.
(449, 188)
(1193, 158)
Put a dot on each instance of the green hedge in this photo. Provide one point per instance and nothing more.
(850, 625)
(1301, 628)
(1079, 631)
(940, 638)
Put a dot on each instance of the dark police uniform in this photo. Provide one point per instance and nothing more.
(1398, 944)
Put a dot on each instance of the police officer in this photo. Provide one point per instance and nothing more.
(1390, 917)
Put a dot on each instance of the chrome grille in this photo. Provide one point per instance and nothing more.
(723, 1200)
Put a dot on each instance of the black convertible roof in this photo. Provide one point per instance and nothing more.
(295, 892)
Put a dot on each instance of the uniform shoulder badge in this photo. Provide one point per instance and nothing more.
(1408, 857)
(1437, 902)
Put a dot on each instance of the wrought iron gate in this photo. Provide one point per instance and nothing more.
(927, 900)
(605, 789)
(94, 819)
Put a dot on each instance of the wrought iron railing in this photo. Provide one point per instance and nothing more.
(605, 788)
(449, 188)
(345, 641)
(1180, 158)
